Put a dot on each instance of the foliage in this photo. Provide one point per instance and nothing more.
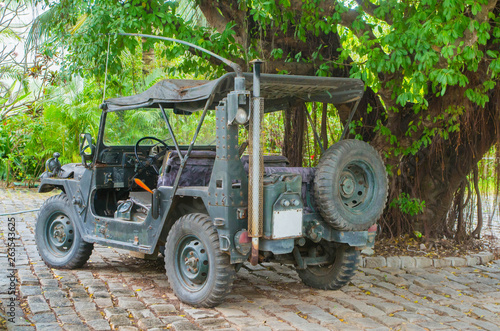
(431, 69)
(408, 205)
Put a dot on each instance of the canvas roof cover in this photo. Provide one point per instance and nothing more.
(277, 90)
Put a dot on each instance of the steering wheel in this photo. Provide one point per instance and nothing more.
(151, 159)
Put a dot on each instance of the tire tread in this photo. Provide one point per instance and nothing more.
(84, 250)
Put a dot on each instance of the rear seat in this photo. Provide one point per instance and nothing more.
(199, 166)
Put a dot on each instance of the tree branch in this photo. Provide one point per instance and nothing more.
(369, 8)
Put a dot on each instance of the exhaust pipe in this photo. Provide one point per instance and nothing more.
(256, 166)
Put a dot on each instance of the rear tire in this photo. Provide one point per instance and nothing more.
(198, 271)
(57, 238)
(350, 186)
(333, 275)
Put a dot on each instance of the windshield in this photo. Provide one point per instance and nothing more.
(125, 128)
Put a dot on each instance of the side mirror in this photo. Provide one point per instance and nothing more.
(86, 148)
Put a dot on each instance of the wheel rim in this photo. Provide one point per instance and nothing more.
(191, 263)
(357, 186)
(59, 234)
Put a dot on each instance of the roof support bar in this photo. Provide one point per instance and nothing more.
(346, 127)
(171, 131)
(185, 158)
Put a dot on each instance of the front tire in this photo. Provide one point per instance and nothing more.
(336, 274)
(198, 271)
(57, 238)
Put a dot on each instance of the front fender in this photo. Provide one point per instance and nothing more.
(70, 188)
(49, 184)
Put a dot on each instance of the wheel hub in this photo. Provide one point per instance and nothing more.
(347, 186)
(60, 234)
(354, 185)
(193, 262)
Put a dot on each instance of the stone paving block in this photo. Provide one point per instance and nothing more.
(29, 281)
(462, 326)
(37, 304)
(103, 302)
(320, 316)
(387, 307)
(108, 312)
(472, 260)
(425, 284)
(344, 313)
(361, 307)
(48, 327)
(407, 262)
(431, 325)
(300, 323)
(278, 325)
(197, 314)
(457, 261)
(94, 289)
(484, 257)
(101, 294)
(90, 315)
(63, 310)
(213, 323)
(60, 302)
(165, 309)
(141, 313)
(389, 321)
(147, 323)
(411, 327)
(398, 281)
(184, 325)
(422, 262)
(393, 262)
(28, 290)
(170, 319)
(43, 318)
(118, 320)
(127, 328)
(84, 305)
(53, 293)
(411, 317)
(441, 263)
(49, 282)
(368, 323)
(375, 262)
(70, 319)
(130, 303)
(99, 325)
(25, 328)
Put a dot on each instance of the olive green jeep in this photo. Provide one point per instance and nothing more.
(211, 208)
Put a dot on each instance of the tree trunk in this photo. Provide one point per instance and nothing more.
(148, 58)
(436, 172)
(295, 126)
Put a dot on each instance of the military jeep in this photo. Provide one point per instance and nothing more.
(210, 208)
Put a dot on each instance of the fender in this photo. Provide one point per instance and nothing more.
(70, 188)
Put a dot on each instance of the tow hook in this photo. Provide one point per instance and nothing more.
(315, 232)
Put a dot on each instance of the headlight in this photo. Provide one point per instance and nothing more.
(241, 116)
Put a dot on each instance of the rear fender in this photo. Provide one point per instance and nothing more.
(181, 205)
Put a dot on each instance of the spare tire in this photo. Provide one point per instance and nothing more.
(350, 186)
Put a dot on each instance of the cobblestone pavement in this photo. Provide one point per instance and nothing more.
(115, 291)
